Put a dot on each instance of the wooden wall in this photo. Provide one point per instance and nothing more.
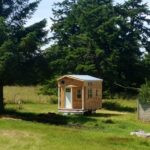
(93, 103)
(77, 104)
(96, 101)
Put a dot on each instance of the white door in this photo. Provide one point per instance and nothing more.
(68, 98)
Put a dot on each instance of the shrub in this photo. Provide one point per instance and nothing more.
(53, 99)
(49, 88)
(144, 94)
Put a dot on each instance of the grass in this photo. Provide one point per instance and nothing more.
(25, 94)
(38, 126)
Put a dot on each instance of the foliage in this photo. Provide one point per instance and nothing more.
(53, 99)
(144, 94)
(50, 87)
(20, 45)
(102, 39)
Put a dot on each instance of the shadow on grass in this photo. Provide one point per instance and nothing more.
(49, 118)
(106, 115)
(117, 107)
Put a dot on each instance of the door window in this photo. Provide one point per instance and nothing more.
(68, 90)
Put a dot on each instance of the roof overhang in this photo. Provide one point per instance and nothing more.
(76, 78)
(69, 76)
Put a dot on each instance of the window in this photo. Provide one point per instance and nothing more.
(90, 93)
(68, 90)
(79, 94)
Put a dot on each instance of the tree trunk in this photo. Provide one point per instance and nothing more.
(1, 99)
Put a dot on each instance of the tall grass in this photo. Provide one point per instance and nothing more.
(24, 94)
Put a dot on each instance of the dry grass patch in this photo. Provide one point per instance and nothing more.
(16, 134)
(24, 94)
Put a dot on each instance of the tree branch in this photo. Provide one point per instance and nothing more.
(127, 87)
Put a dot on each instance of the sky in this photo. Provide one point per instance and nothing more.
(44, 10)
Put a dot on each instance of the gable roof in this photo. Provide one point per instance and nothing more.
(82, 77)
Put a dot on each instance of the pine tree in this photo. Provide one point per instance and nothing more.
(101, 38)
(85, 34)
(133, 41)
(19, 45)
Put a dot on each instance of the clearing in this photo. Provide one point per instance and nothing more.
(38, 127)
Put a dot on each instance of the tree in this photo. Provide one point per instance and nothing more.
(4, 43)
(133, 41)
(76, 38)
(19, 45)
(84, 32)
(102, 39)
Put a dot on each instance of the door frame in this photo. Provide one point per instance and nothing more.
(71, 97)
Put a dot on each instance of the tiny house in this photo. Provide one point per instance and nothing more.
(79, 93)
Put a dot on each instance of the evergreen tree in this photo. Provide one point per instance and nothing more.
(84, 35)
(133, 41)
(19, 45)
(102, 39)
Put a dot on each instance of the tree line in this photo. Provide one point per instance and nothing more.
(95, 37)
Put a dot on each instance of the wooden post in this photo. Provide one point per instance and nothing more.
(58, 97)
(71, 98)
(83, 98)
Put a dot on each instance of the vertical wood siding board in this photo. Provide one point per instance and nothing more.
(58, 97)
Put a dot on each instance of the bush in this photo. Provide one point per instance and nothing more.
(49, 88)
(53, 99)
(144, 94)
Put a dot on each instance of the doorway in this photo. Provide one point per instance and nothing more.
(68, 98)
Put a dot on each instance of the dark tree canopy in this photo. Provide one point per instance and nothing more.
(102, 39)
(20, 46)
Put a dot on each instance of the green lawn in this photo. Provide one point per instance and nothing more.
(32, 127)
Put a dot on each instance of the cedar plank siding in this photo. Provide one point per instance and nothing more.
(93, 103)
(68, 81)
(77, 103)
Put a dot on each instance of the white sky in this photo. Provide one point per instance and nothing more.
(45, 11)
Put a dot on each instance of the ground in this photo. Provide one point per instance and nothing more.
(38, 126)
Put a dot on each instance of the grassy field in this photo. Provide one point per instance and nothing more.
(25, 94)
(38, 126)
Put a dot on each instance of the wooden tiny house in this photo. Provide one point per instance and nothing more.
(79, 93)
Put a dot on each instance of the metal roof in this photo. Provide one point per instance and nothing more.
(84, 77)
